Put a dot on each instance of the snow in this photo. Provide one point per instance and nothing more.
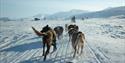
(105, 42)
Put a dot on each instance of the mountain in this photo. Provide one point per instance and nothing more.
(63, 15)
(79, 14)
(109, 12)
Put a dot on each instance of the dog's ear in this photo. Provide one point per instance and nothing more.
(33, 28)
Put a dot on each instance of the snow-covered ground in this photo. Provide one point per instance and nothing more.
(105, 42)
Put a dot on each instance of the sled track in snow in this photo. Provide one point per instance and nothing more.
(8, 42)
(62, 55)
(63, 48)
(99, 56)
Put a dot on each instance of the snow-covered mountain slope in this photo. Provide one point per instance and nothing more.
(105, 42)
(115, 11)
(66, 14)
(79, 14)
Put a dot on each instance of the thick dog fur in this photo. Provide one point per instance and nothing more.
(49, 38)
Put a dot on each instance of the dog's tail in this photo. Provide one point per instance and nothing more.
(37, 32)
(79, 37)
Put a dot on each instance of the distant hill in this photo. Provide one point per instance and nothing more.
(109, 12)
(114, 12)
(119, 17)
(63, 15)
(104, 13)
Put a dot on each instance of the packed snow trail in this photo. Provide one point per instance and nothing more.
(99, 56)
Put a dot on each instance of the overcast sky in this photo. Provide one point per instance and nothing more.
(27, 8)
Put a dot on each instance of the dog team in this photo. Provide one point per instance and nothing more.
(50, 36)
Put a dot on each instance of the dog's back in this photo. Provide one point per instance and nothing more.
(59, 31)
(50, 35)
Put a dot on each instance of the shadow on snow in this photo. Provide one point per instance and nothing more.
(39, 59)
(24, 47)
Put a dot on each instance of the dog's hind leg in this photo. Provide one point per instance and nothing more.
(47, 51)
(43, 48)
(54, 45)
(78, 49)
(74, 52)
(81, 49)
(82, 45)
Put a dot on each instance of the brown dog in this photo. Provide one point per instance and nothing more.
(49, 38)
(77, 40)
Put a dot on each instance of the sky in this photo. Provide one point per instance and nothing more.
(27, 8)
